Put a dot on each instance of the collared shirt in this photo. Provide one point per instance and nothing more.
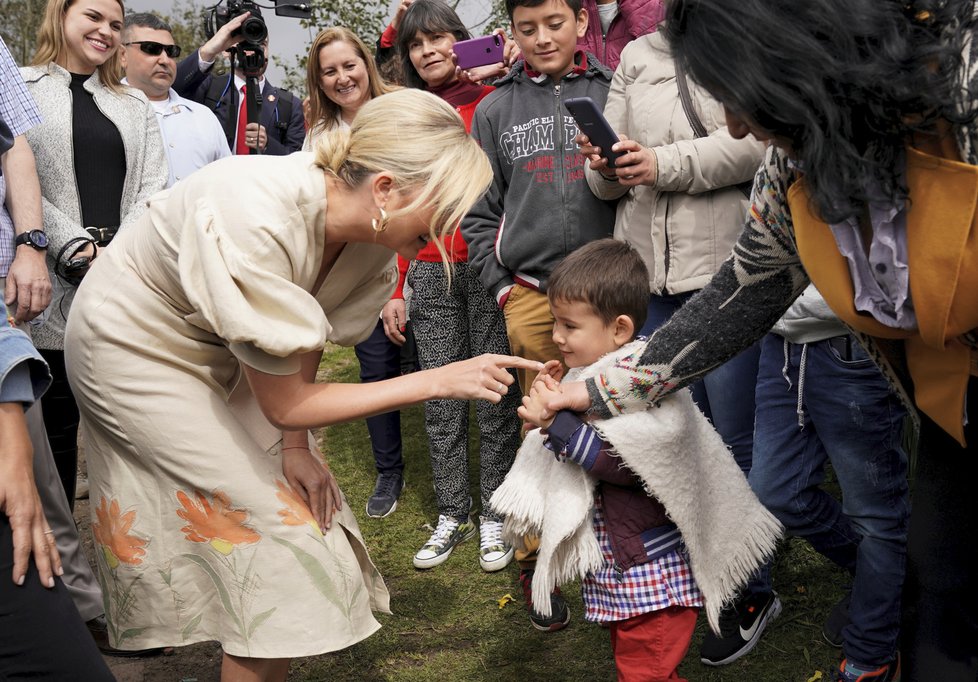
(192, 136)
(19, 112)
(239, 83)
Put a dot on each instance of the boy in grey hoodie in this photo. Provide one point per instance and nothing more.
(538, 208)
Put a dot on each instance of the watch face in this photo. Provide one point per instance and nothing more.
(39, 239)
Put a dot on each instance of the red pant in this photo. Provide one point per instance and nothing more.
(650, 647)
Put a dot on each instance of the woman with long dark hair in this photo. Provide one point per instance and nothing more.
(868, 191)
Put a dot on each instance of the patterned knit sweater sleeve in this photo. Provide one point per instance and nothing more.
(762, 277)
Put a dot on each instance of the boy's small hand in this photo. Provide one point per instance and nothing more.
(534, 409)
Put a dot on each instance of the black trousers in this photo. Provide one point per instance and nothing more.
(940, 610)
(42, 637)
(61, 422)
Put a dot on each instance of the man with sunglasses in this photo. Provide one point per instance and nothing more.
(192, 137)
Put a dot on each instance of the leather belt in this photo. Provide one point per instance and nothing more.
(102, 235)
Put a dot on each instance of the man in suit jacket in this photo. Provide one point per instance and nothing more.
(281, 129)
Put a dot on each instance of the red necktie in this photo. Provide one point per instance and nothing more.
(240, 146)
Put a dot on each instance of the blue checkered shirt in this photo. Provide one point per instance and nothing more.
(19, 112)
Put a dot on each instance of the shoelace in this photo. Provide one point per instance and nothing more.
(490, 534)
(385, 484)
(446, 526)
(729, 619)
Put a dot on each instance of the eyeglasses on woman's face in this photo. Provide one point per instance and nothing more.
(153, 48)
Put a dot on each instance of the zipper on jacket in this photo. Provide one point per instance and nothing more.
(127, 180)
(619, 572)
(559, 154)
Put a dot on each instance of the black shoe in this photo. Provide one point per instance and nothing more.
(741, 625)
(386, 491)
(559, 613)
(99, 630)
(837, 620)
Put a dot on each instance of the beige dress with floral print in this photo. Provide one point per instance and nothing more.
(199, 535)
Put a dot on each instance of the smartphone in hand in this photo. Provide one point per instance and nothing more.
(479, 51)
(593, 124)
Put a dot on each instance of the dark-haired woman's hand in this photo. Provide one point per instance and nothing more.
(402, 7)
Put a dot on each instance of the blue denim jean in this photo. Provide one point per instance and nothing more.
(380, 359)
(850, 417)
(725, 396)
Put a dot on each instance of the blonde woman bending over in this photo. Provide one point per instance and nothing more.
(193, 350)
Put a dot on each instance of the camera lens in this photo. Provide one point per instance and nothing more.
(253, 30)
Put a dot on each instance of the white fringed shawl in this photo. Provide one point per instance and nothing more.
(681, 461)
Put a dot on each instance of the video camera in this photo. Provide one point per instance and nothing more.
(249, 52)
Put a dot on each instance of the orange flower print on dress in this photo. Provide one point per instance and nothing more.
(111, 530)
(296, 512)
(221, 525)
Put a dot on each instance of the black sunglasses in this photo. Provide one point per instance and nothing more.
(153, 48)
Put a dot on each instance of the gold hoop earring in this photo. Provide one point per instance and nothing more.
(382, 224)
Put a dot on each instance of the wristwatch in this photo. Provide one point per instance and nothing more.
(36, 239)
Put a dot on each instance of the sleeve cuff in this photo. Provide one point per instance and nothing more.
(249, 354)
(388, 37)
(17, 386)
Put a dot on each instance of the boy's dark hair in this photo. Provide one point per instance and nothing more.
(575, 5)
(425, 16)
(608, 275)
(146, 20)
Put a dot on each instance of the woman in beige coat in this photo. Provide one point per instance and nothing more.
(683, 187)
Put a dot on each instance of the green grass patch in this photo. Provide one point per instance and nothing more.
(448, 625)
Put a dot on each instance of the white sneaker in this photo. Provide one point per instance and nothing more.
(494, 553)
(449, 532)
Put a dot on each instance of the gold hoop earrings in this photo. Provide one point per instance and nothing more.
(380, 225)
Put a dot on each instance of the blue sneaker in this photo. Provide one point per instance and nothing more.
(888, 672)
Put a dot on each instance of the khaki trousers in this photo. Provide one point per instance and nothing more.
(529, 325)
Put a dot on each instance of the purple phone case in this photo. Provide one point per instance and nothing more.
(478, 51)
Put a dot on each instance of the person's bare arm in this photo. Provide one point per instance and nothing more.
(19, 500)
(28, 284)
(291, 402)
(304, 466)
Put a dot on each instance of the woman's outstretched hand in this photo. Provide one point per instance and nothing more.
(485, 377)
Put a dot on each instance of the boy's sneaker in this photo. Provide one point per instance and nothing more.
(741, 625)
(386, 491)
(837, 620)
(559, 613)
(449, 532)
(885, 673)
(494, 553)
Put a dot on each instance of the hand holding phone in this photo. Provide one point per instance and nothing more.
(479, 51)
(592, 123)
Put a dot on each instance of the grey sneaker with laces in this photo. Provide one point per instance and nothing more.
(448, 533)
(386, 491)
(494, 553)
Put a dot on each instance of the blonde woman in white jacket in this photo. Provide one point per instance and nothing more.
(682, 206)
(99, 157)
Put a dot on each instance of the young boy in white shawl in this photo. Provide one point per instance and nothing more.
(649, 509)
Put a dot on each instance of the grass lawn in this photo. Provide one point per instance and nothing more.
(455, 623)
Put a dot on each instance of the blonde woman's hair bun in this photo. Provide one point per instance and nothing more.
(422, 142)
